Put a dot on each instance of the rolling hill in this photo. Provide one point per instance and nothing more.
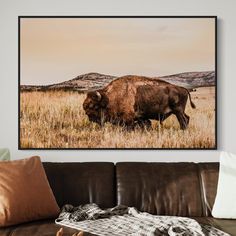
(94, 81)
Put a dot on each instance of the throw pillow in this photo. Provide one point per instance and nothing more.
(225, 204)
(25, 194)
(4, 154)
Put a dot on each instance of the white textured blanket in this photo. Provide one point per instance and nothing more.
(122, 220)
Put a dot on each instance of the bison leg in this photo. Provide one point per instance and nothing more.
(182, 120)
(128, 125)
(144, 124)
(187, 118)
(164, 117)
(161, 118)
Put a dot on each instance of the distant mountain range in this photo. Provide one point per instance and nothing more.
(192, 79)
(94, 81)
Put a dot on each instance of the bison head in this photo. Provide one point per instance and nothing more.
(95, 105)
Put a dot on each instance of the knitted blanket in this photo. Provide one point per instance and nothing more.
(122, 220)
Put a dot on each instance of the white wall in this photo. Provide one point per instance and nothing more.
(225, 10)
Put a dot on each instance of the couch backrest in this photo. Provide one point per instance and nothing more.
(80, 183)
(180, 189)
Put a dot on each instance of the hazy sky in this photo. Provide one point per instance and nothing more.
(55, 50)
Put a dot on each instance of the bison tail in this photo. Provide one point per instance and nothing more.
(191, 102)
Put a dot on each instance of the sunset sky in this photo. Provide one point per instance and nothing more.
(58, 49)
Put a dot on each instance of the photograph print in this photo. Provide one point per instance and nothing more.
(117, 82)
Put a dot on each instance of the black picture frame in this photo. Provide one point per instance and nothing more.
(114, 16)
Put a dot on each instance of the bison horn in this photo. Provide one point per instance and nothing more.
(98, 95)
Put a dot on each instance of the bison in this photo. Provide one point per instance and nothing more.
(131, 100)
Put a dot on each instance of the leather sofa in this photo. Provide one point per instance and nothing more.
(178, 189)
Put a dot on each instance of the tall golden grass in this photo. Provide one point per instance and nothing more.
(56, 119)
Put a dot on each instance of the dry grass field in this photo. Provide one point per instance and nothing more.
(56, 119)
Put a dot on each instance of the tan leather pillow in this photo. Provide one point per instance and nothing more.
(25, 194)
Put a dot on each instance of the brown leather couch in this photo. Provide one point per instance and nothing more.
(178, 189)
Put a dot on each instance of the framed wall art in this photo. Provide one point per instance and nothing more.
(117, 82)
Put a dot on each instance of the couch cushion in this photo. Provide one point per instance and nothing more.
(228, 226)
(81, 183)
(48, 227)
(160, 188)
(38, 228)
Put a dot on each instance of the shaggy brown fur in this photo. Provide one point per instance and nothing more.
(137, 99)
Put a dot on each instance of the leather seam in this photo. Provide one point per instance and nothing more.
(201, 191)
(115, 185)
